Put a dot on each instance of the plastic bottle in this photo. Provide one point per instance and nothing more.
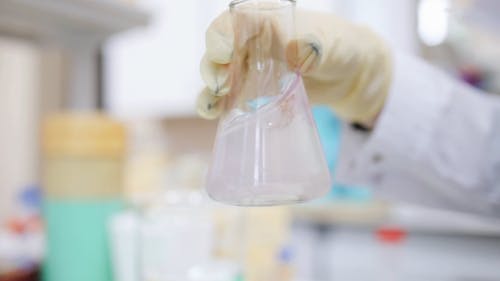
(82, 172)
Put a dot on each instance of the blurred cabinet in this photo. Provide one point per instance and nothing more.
(18, 119)
(48, 61)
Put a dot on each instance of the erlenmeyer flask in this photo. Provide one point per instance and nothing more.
(267, 150)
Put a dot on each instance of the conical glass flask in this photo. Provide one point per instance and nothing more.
(267, 150)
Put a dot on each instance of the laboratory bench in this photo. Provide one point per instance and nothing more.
(378, 241)
(343, 253)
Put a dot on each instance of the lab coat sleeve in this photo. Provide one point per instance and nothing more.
(436, 143)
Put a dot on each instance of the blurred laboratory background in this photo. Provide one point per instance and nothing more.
(118, 195)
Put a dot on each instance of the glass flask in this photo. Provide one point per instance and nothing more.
(267, 150)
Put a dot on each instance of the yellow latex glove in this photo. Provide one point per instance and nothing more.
(343, 65)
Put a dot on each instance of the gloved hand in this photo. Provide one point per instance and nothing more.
(343, 65)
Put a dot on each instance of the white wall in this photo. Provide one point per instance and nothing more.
(395, 20)
(154, 72)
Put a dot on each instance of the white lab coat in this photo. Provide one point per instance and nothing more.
(437, 142)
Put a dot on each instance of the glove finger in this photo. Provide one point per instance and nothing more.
(303, 54)
(219, 39)
(215, 76)
(208, 105)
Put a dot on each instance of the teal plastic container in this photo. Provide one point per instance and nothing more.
(77, 239)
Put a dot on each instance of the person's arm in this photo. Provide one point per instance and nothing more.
(436, 143)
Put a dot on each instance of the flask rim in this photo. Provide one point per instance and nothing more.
(235, 3)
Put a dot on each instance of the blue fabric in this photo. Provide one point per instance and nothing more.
(330, 129)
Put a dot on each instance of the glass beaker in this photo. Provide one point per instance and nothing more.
(267, 150)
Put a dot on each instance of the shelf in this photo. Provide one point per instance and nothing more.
(428, 220)
(53, 18)
(79, 28)
(408, 217)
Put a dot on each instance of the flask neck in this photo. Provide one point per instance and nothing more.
(261, 29)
